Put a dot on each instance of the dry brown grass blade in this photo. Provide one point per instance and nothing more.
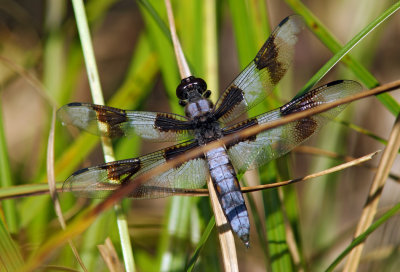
(394, 85)
(110, 256)
(351, 163)
(225, 234)
(375, 192)
(97, 97)
(247, 133)
(321, 152)
(79, 225)
(354, 162)
(129, 187)
(315, 175)
(180, 57)
(53, 190)
(124, 191)
(226, 239)
(88, 217)
(204, 192)
(290, 237)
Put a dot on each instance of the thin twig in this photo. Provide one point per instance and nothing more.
(224, 141)
(321, 152)
(125, 190)
(110, 256)
(203, 192)
(200, 150)
(354, 162)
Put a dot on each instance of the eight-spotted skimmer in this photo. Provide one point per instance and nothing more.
(205, 122)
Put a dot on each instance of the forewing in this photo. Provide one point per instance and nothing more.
(99, 181)
(268, 145)
(259, 78)
(113, 122)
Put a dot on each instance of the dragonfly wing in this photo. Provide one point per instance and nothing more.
(99, 181)
(112, 122)
(259, 78)
(257, 150)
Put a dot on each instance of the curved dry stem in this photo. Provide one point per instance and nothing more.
(180, 57)
(53, 189)
(375, 193)
(225, 235)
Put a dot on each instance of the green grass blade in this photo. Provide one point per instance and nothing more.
(98, 8)
(259, 226)
(328, 39)
(139, 79)
(359, 239)
(175, 238)
(279, 255)
(244, 34)
(10, 256)
(251, 31)
(200, 245)
(178, 211)
(97, 96)
(275, 226)
(155, 15)
(163, 47)
(104, 226)
(363, 131)
(340, 52)
(11, 191)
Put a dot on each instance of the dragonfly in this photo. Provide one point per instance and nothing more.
(205, 122)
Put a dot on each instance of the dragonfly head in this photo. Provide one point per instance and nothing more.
(191, 89)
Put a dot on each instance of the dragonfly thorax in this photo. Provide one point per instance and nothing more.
(199, 108)
(207, 128)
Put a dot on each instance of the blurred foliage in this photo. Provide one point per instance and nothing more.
(41, 63)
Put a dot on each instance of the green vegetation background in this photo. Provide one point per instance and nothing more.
(41, 63)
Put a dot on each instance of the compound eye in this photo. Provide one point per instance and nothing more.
(182, 89)
(190, 84)
(201, 84)
(181, 92)
(207, 94)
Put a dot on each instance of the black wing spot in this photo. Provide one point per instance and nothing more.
(231, 98)
(239, 127)
(174, 151)
(112, 117)
(268, 57)
(305, 127)
(80, 171)
(166, 122)
(74, 104)
(334, 83)
(301, 103)
(121, 171)
(283, 21)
